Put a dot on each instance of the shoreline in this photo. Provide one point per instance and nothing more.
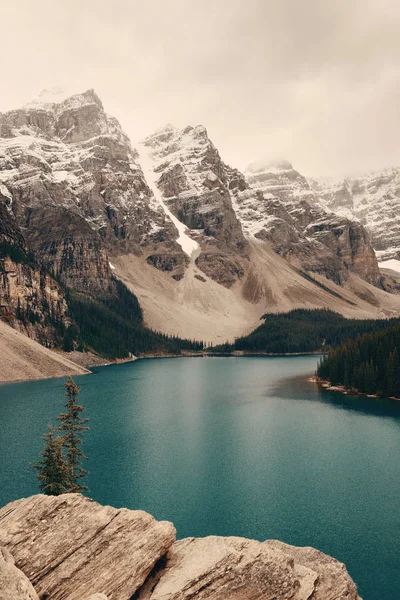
(234, 353)
(345, 391)
(94, 361)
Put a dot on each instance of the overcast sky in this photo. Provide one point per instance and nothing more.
(314, 81)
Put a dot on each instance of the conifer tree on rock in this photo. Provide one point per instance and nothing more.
(72, 425)
(52, 469)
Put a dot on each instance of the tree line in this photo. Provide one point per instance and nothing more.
(110, 324)
(303, 330)
(369, 364)
(113, 326)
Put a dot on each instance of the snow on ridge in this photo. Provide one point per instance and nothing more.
(48, 98)
(188, 245)
(5, 192)
(53, 95)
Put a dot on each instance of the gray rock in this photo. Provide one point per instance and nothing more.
(373, 199)
(77, 191)
(25, 288)
(194, 181)
(280, 206)
(71, 547)
(14, 585)
(240, 569)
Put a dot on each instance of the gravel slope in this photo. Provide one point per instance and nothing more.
(22, 358)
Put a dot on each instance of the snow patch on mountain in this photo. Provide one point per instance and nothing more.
(188, 245)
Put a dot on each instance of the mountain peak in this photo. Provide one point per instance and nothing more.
(56, 95)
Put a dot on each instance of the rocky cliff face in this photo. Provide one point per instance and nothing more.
(72, 181)
(373, 200)
(279, 206)
(77, 188)
(71, 548)
(30, 299)
(194, 184)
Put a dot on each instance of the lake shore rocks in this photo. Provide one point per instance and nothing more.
(241, 569)
(71, 548)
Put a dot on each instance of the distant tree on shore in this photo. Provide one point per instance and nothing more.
(52, 469)
(72, 425)
(60, 469)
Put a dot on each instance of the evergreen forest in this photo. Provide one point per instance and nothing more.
(303, 330)
(369, 364)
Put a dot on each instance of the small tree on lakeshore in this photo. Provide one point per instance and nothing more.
(52, 469)
(72, 425)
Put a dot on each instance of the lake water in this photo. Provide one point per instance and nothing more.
(230, 446)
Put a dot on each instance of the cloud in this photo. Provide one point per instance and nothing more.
(317, 82)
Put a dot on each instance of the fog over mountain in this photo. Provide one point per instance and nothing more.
(314, 82)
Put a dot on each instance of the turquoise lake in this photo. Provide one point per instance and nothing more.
(230, 446)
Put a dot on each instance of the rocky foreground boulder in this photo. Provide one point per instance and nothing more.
(241, 569)
(14, 585)
(71, 548)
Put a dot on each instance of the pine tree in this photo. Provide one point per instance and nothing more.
(370, 378)
(72, 424)
(393, 374)
(52, 470)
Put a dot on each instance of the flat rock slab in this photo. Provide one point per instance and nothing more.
(220, 568)
(71, 548)
(14, 585)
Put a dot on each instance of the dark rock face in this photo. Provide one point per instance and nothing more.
(30, 299)
(350, 242)
(168, 262)
(225, 269)
(71, 548)
(9, 230)
(66, 245)
(279, 206)
(194, 184)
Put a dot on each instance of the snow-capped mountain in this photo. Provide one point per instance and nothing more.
(194, 184)
(206, 248)
(374, 200)
(284, 211)
(70, 176)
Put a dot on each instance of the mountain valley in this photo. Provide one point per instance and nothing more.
(206, 249)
